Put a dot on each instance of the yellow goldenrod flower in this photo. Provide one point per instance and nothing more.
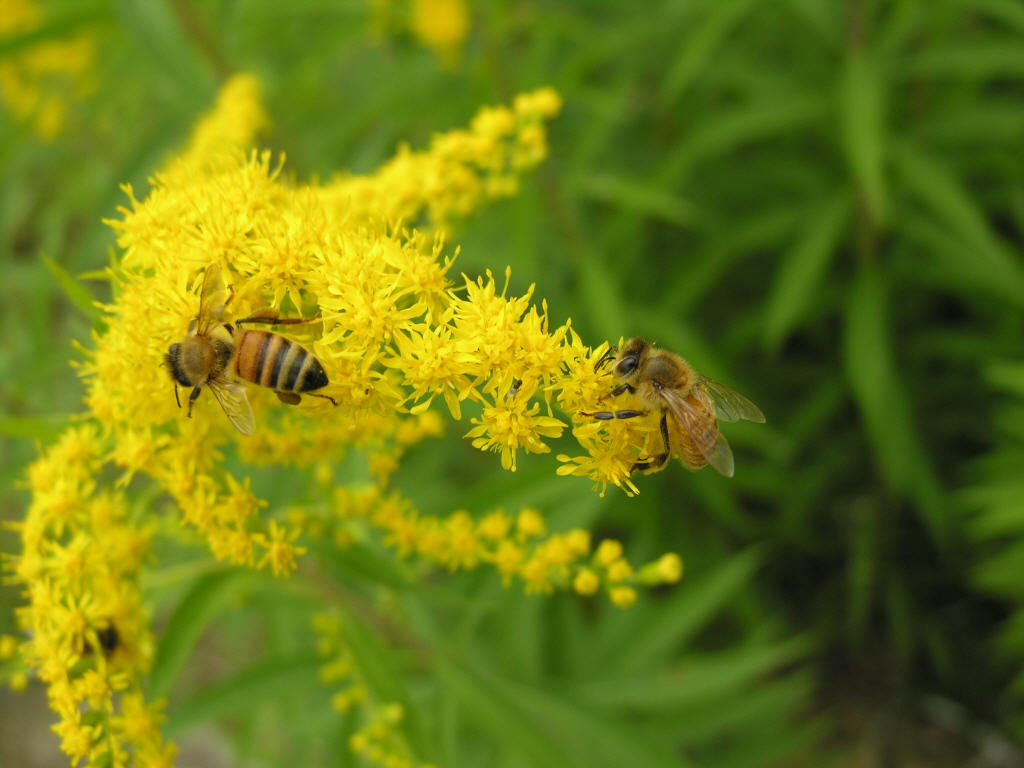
(442, 25)
(393, 335)
(586, 582)
(608, 552)
(623, 597)
(8, 647)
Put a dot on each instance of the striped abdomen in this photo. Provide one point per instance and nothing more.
(270, 360)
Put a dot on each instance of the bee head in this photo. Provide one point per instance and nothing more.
(629, 358)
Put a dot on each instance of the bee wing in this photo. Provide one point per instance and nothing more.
(211, 299)
(703, 431)
(729, 404)
(235, 404)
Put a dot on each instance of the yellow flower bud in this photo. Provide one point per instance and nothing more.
(670, 568)
(586, 582)
(620, 570)
(623, 597)
(8, 647)
(608, 552)
(530, 523)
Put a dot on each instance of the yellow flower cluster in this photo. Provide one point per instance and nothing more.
(89, 640)
(39, 82)
(516, 546)
(380, 743)
(394, 336)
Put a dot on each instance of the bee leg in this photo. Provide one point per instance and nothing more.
(609, 415)
(288, 397)
(656, 461)
(270, 316)
(176, 398)
(192, 398)
(652, 463)
(325, 397)
(618, 391)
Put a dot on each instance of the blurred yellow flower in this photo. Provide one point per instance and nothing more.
(39, 82)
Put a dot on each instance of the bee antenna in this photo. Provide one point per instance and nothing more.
(608, 355)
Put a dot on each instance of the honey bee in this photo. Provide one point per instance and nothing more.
(219, 355)
(690, 404)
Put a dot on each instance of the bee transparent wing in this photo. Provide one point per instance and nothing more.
(729, 404)
(235, 404)
(703, 431)
(211, 300)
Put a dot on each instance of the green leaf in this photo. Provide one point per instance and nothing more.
(696, 602)
(594, 739)
(500, 717)
(803, 268)
(158, 33)
(862, 102)
(697, 681)
(638, 197)
(870, 371)
(380, 670)
(981, 259)
(700, 45)
(720, 133)
(239, 694)
(204, 602)
(362, 561)
(973, 61)
(75, 291)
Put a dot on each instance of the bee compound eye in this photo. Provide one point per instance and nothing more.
(626, 366)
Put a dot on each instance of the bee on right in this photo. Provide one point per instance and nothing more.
(690, 404)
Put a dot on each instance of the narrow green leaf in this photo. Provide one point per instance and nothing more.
(362, 561)
(638, 197)
(973, 61)
(719, 134)
(75, 291)
(803, 268)
(159, 34)
(503, 719)
(985, 262)
(381, 673)
(695, 603)
(870, 371)
(596, 740)
(207, 598)
(700, 45)
(862, 568)
(699, 680)
(868, 358)
(777, 700)
(862, 101)
(239, 694)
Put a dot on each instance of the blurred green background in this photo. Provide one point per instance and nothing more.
(817, 202)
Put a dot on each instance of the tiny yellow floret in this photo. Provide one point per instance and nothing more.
(586, 582)
(623, 597)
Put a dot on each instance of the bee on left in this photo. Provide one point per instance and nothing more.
(219, 355)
